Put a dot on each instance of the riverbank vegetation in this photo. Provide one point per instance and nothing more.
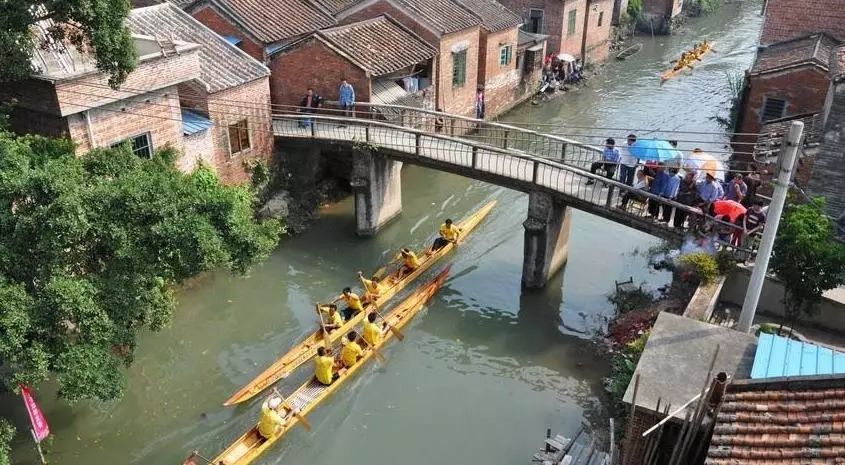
(91, 251)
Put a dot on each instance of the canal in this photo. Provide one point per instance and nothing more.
(481, 373)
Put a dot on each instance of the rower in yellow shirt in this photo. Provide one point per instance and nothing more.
(353, 303)
(372, 333)
(324, 366)
(448, 233)
(410, 262)
(333, 319)
(271, 423)
(351, 352)
(373, 287)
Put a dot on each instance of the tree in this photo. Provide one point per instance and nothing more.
(7, 433)
(807, 258)
(91, 249)
(97, 27)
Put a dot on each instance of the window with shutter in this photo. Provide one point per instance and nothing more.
(459, 68)
(535, 21)
(570, 26)
(238, 137)
(773, 108)
(505, 55)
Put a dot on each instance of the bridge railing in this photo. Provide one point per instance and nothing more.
(568, 151)
(580, 187)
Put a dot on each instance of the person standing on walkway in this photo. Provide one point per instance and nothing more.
(641, 184)
(659, 186)
(670, 192)
(309, 104)
(687, 195)
(479, 103)
(709, 191)
(627, 162)
(737, 189)
(346, 97)
(609, 160)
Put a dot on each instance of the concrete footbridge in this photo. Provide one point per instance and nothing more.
(554, 171)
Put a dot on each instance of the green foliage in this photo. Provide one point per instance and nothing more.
(725, 261)
(95, 26)
(703, 265)
(260, 173)
(623, 365)
(7, 433)
(628, 301)
(635, 9)
(91, 249)
(708, 6)
(807, 258)
(736, 85)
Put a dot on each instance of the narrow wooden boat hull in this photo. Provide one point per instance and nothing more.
(251, 444)
(670, 73)
(306, 349)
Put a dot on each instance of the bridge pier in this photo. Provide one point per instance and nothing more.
(377, 186)
(546, 239)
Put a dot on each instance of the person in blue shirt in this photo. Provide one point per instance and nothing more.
(659, 186)
(709, 191)
(346, 97)
(609, 160)
(670, 192)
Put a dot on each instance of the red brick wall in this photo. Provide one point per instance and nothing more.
(250, 101)
(803, 89)
(499, 80)
(459, 100)
(598, 37)
(787, 19)
(157, 113)
(219, 24)
(312, 64)
(553, 20)
(382, 7)
(571, 43)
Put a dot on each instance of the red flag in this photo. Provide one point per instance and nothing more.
(40, 428)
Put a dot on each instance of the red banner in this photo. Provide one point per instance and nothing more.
(40, 428)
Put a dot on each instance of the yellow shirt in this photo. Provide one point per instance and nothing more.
(372, 333)
(350, 353)
(353, 301)
(411, 260)
(335, 320)
(323, 369)
(372, 286)
(450, 233)
(270, 420)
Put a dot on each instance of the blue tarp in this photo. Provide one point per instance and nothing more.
(232, 40)
(779, 356)
(193, 122)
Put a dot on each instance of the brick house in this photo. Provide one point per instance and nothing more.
(787, 78)
(788, 19)
(580, 28)
(380, 57)
(259, 27)
(198, 94)
(450, 28)
(658, 15)
(498, 72)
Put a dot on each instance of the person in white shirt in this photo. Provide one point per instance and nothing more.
(641, 184)
(627, 162)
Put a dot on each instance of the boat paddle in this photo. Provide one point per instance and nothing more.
(326, 340)
(285, 404)
(392, 329)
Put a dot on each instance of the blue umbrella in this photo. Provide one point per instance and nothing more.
(654, 150)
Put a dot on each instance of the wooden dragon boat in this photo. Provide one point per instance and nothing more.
(672, 72)
(251, 444)
(306, 349)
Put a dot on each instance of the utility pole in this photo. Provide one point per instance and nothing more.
(785, 165)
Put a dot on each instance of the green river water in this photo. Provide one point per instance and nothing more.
(482, 372)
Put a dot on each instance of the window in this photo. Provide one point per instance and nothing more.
(238, 137)
(601, 17)
(773, 108)
(141, 145)
(459, 68)
(535, 21)
(570, 24)
(505, 55)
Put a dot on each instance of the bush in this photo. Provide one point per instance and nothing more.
(703, 265)
(623, 365)
(725, 261)
(628, 301)
(635, 9)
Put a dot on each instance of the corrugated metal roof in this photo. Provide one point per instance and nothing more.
(222, 65)
(779, 356)
(193, 122)
(381, 45)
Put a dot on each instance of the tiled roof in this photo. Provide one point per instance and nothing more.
(445, 15)
(797, 420)
(813, 49)
(494, 16)
(271, 20)
(837, 63)
(380, 45)
(336, 6)
(772, 133)
(222, 65)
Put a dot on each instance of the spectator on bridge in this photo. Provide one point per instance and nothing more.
(627, 162)
(752, 180)
(737, 189)
(754, 221)
(659, 186)
(346, 97)
(641, 184)
(309, 104)
(687, 195)
(609, 160)
(671, 192)
(709, 191)
(479, 103)
(729, 211)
